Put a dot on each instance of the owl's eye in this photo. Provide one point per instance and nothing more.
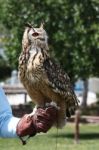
(35, 34)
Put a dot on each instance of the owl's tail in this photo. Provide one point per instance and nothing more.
(71, 106)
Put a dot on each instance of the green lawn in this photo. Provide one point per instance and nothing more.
(58, 140)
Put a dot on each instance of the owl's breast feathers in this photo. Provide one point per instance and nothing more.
(48, 72)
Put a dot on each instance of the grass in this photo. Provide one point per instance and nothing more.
(58, 140)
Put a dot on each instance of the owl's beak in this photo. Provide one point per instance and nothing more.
(35, 34)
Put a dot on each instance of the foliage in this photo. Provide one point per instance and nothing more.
(73, 29)
(72, 26)
(89, 139)
(92, 110)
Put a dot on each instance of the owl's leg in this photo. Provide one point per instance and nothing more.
(52, 104)
(33, 112)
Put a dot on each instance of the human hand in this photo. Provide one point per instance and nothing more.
(41, 121)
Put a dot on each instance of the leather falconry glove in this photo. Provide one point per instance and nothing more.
(41, 121)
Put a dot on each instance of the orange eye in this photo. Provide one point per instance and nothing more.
(35, 34)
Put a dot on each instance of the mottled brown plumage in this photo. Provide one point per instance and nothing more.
(42, 77)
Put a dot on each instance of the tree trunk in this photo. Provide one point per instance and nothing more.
(85, 92)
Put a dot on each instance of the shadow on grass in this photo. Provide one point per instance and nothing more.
(85, 136)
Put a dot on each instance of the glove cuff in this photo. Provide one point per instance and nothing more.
(25, 127)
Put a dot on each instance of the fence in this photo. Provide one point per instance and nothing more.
(11, 90)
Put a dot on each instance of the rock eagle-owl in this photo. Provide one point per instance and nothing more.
(42, 77)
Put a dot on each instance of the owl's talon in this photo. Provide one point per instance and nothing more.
(29, 116)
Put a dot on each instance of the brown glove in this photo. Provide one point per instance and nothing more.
(44, 119)
(41, 121)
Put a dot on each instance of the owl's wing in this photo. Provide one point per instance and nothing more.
(59, 81)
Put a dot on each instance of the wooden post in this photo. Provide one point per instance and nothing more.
(77, 118)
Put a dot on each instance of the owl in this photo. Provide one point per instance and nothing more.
(45, 81)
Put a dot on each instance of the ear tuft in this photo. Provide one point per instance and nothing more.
(42, 25)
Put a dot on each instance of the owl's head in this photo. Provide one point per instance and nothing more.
(35, 36)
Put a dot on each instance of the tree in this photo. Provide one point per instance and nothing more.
(73, 29)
